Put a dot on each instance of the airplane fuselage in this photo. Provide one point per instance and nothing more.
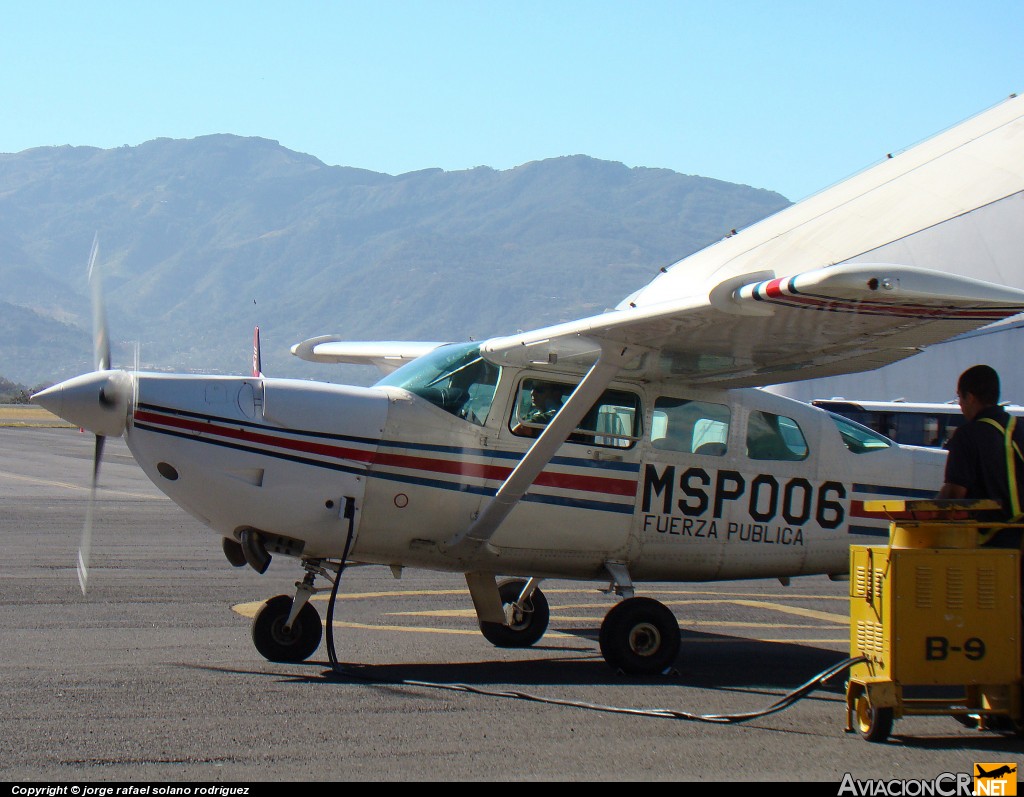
(283, 457)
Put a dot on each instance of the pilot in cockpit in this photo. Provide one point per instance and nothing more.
(545, 401)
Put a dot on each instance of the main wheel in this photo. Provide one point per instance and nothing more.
(528, 625)
(640, 636)
(271, 639)
(873, 722)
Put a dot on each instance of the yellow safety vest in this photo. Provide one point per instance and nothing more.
(1011, 464)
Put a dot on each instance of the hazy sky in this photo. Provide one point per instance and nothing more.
(790, 96)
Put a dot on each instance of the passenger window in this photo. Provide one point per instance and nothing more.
(613, 422)
(775, 437)
(691, 427)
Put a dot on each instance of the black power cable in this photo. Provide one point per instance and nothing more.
(350, 515)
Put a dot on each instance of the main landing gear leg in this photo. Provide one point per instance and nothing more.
(287, 629)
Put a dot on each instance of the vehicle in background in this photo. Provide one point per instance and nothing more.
(908, 423)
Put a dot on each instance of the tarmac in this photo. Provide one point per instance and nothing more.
(153, 677)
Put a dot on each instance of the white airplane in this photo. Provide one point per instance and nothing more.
(630, 446)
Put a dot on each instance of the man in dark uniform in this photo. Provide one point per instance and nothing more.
(985, 453)
(985, 461)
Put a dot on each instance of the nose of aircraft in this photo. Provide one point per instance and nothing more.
(98, 402)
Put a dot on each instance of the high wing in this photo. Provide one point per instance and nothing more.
(952, 203)
(861, 275)
(858, 276)
(759, 330)
(386, 355)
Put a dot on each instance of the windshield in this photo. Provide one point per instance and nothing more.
(859, 439)
(454, 378)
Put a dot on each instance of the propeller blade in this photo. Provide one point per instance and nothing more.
(96, 457)
(86, 544)
(100, 335)
(110, 396)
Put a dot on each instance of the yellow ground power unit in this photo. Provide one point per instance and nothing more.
(937, 618)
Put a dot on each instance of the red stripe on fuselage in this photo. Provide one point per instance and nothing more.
(457, 467)
(233, 433)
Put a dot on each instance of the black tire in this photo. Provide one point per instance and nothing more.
(640, 636)
(874, 723)
(270, 639)
(529, 628)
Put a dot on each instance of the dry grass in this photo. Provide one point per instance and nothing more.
(27, 415)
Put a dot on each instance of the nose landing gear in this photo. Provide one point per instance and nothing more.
(287, 630)
(527, 611)
(279, 641)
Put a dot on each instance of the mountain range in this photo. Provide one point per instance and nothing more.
(202, 239)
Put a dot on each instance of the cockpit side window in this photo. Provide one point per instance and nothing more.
(775, 437)
(454, 378)
(859, 439)
(690, 427)
(613, 422)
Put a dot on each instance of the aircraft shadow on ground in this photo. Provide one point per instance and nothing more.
(707, 661)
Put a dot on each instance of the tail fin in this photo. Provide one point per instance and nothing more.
(257, 363)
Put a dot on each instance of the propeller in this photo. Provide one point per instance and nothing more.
(85, 545)
(113, 397)
(100, 401)
(100, 335)
(101, 357)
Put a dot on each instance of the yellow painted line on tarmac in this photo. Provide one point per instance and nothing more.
(419, 629)
(471, 613)
(725, 596)
(829, 617)
(740, 624)
(794, 597)
(576, 618)
(247, 609)
(688, 623)
(408, 629)
(398, 593)
(102, 492)
(34, 480)
(800, 612)
(250, 609)
(782, 641)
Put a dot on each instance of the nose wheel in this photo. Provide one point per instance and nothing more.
(276, 641)
(528, 616)
(640, 636)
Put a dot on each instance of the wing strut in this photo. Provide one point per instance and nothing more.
(612, 359)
